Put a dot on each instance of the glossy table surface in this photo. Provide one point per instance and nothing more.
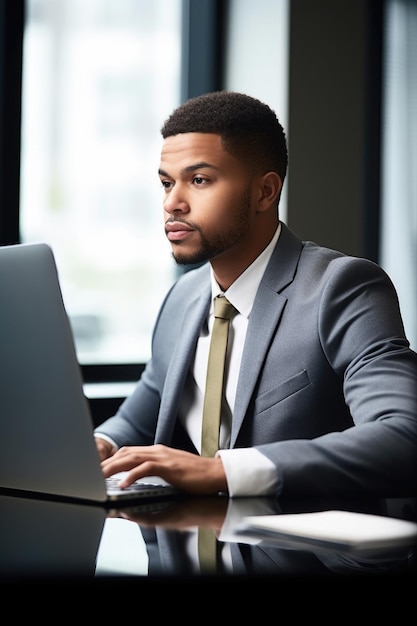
(44, 540)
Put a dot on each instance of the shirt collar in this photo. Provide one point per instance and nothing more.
(242, 292)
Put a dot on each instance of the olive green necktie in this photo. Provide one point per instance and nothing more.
(212, 412)
(207, 551)
(214, 394)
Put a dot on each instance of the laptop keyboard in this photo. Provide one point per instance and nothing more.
(112, 483)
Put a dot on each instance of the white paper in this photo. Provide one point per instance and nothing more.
(340, 528)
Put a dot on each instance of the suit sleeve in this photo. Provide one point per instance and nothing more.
(362, 335)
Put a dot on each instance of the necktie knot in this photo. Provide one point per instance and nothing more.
(223, 308)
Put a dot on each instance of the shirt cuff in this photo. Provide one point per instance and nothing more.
(249, 473)
(106, 438)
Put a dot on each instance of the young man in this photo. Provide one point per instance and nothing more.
(321, 381)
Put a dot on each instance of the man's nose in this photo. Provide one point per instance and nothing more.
(175, 201)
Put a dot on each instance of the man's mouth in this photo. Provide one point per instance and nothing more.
(177, 231)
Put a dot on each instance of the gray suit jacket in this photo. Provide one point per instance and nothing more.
(327, 385)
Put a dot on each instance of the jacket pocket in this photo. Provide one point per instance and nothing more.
(289, 387)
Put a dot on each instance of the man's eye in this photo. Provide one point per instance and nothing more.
(199, 180)
(166, 184)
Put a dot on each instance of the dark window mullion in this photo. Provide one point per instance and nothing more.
(11, 47)
(203, 26)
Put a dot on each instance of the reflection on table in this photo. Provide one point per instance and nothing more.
(41, 539)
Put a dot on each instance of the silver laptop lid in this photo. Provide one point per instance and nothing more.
(46, 442)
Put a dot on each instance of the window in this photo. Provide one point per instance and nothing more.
(399, 183)
(99, 78)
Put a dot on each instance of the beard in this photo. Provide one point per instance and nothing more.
(207, 250)
(220, 242)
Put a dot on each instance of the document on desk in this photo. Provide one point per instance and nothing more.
(342, 530)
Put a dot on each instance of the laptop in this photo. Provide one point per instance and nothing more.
(47, 444)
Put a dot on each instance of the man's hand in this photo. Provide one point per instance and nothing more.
(189, 472)
(182, 514)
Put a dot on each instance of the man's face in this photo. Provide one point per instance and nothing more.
(207, 198)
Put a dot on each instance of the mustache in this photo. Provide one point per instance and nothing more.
(179, 220)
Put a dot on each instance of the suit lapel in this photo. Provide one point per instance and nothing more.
(263, 320)
(194, 314)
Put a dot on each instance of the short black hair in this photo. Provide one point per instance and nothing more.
(249, 128)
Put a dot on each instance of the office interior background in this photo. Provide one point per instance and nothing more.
(85, 87)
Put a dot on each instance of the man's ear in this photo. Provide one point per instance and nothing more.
(269, 190)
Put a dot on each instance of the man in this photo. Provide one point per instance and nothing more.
(321, 381)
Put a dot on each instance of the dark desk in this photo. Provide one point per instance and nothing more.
(43, 540)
